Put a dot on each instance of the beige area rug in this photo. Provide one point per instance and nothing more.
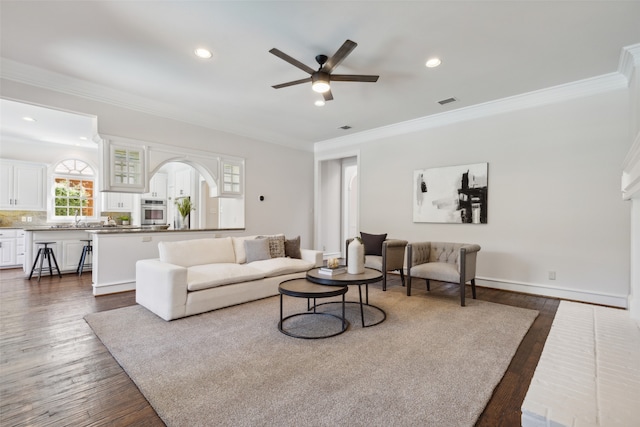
(430, 363)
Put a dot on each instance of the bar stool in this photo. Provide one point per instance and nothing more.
(88, 249)
(45, 252)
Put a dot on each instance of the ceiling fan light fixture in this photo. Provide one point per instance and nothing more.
(320, 82)
(203, 53)
(433, 62)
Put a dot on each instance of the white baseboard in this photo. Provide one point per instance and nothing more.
(113, 289)
(555, 292)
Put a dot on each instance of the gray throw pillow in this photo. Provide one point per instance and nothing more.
(373, 243)
(292, 248)
(257, 249)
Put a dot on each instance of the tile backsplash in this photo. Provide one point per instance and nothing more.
(21, 218)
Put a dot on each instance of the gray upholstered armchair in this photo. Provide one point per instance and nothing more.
(383, 254)
(444, 262)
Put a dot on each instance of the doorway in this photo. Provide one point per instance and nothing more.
(337, 201)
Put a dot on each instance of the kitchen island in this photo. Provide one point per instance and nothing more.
(115, 250)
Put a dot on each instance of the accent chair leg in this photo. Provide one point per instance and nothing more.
(384, 280)
(402, 275)
(428, 285)
(462, 291)
(473, 288)
(408, 285)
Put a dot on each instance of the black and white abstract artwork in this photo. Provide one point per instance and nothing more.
(452, 194)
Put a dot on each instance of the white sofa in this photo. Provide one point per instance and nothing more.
(195, 276)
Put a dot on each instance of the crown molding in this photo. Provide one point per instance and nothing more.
(629, 60)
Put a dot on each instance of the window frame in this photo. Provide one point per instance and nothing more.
(76, 170)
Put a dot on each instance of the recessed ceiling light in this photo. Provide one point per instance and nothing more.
(29, 119)
(319, 103)
(203, 53)
(433, 62)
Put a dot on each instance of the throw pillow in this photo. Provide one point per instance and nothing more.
(276, 245)
(257, 249)
(373, 243)
(292, 248)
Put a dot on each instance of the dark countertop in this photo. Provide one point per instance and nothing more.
(121, 229)
(115, 230)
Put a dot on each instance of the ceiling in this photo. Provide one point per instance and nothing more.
(139, 54)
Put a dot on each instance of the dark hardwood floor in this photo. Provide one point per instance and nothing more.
(55, 372)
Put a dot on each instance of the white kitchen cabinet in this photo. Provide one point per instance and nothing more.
(157, 187)
(71, 253)
(123, 167)
(11, 248)
(232, 178)
(20, 247)
(22, 186)
(183, 183)
(117, 202)
(7, 252)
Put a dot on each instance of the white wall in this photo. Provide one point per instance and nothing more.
(554, 194)
(283, 175)
(330, 208)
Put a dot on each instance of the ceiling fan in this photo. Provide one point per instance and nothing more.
(321, 78)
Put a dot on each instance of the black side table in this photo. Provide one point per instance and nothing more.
(302, 288)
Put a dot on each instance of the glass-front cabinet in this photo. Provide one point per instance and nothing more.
(232, 178)
(124, 167)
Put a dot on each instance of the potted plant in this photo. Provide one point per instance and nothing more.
(184, 208)
(125, 219)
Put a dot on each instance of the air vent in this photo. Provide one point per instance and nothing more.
(345, 127)
(447, 101)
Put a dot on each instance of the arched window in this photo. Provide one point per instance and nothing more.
(74, 189)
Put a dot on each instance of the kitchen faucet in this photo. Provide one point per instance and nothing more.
(77, 220)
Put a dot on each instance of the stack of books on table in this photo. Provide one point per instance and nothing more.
(332, 271)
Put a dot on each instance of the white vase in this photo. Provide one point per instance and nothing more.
(355, 265)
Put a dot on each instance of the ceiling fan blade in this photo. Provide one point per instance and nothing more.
(328, 96)
(292, 61)
(339, 56)
(295, 82)
(353, 78)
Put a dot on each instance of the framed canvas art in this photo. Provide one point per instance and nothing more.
(452, 194)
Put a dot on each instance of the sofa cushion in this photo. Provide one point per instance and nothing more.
(292, 248)
(238, 247)
(187, 253)
(280, 266)
(212, 275)
(373, 243)
(276, 245)
(257, 249)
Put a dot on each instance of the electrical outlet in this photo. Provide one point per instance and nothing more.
(29, 219)
(552, 275)
(24, 219)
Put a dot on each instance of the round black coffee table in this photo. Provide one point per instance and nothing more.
(369, 276)
(302, 288)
